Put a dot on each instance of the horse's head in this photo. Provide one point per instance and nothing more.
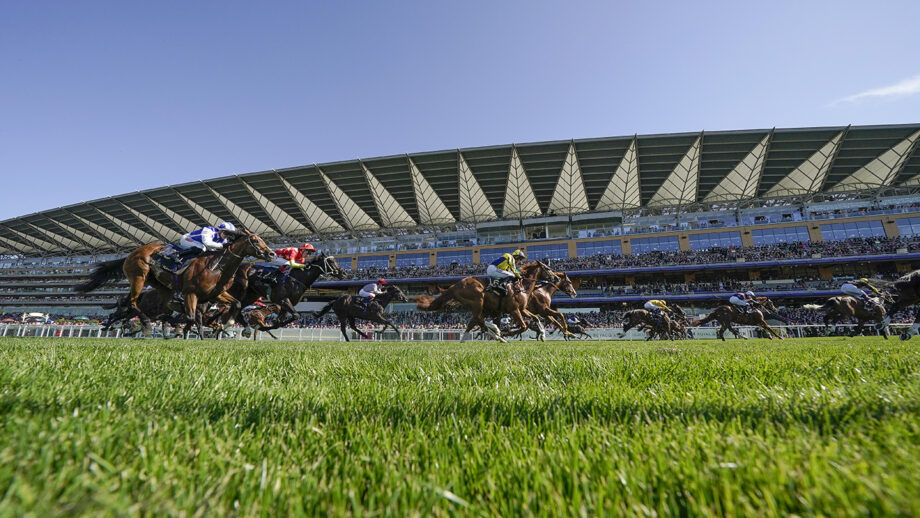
(248, 244)
(539, 271)
(767, 304)
(395, 293)
(565, 285)
(328, 266)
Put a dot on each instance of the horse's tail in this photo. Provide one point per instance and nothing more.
(102, 274)
(427, 303)
(708, 318)
(816, 307)
(325, 309)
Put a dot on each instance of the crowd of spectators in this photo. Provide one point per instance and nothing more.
(774, 252)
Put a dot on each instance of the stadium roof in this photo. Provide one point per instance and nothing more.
(501, 182)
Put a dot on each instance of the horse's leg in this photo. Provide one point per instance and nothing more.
(343, 323)
(351, 323)
(914, 328)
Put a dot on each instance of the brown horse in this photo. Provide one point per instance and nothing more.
(845, 306)
(257, 319)
(206, 278)
(727, 315)
(540, 303)
(643, 319)
(472, 293)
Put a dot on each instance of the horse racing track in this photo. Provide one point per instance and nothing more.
(812, 426)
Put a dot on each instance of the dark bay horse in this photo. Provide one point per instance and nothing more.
(346, 311)
(845, 306)
(290, 292)
(727, 315)
(472, 294)
(206, 279)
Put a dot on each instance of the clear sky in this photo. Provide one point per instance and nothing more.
(103, 98)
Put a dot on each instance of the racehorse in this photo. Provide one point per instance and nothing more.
(541, 299)
(728, 315)
(904, 292)
(347, 312)
(581, 328)
(205, 279)
(643, 319)
(473, 294)
(257, 319)
(290, 292)
(845, 306)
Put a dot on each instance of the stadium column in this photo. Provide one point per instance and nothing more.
(626, 248)
(393, 261)
(814, 233)
(891, 228)
(683, 242)
(747, 239)
(433, 259)
(573, 249)
(475, 256)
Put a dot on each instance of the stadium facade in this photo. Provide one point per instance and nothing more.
(566, 199)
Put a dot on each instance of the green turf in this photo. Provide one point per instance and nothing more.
(823, 426)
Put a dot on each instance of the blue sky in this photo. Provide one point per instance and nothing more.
(102, 98)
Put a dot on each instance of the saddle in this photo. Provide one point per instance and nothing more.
(501, 287)
(362, 303)
(171, 259)
(269, 274)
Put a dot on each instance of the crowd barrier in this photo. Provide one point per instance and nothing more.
(311, 334)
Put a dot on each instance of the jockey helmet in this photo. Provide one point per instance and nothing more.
(749, 294)
(382, 281)
(226, 225)
(307, 248)
(518, 253)
(865, 280)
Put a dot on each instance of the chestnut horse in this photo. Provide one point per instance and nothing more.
(846, 306)
(206, 278)
(472, 293)
(728, 315)
(643, 319)
(541, 299)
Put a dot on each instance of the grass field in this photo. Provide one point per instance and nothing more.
(822, 426)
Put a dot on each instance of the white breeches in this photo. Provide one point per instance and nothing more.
(651, 307)
(497, 273)
(366, 294)
(738, 302)
(853, 291)
(185, 243)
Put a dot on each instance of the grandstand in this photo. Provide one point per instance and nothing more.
(688, 216)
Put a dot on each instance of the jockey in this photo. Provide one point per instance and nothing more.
(369, 291)
(852, 289)
(504, 269)
(205, 239)
(741, 300)
(656, 307)
(293, 257)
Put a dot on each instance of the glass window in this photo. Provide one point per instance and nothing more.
(540, 252)
(771, 236)
(403, 260)
(849, 230)
(909, 227)
(641, 245)
(455, 256)
(589, 248)
(715, 240)
(374, 261)
(487, 255)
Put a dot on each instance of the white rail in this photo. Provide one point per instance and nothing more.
(311, 334)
